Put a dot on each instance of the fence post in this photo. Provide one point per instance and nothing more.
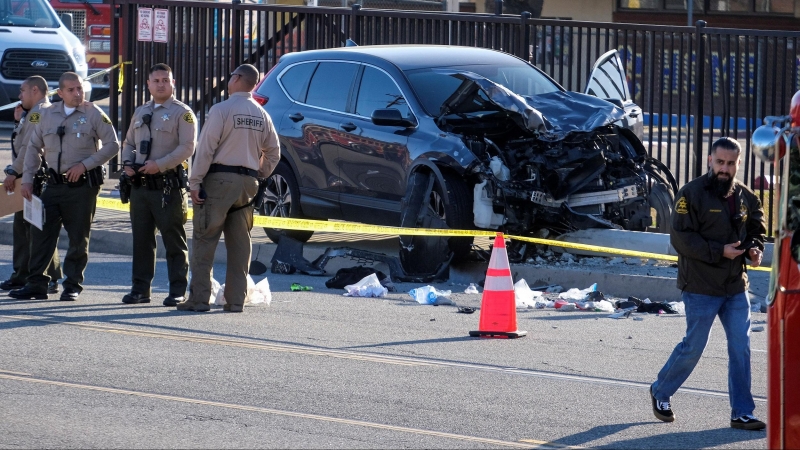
(498, 7)
(525, 52)
(355, 24)
(237, 35)
(700, 96)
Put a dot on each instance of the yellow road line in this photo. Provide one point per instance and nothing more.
(232, 343)
(278, 412)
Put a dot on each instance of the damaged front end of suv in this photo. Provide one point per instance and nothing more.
(559, 161)
(556, 161)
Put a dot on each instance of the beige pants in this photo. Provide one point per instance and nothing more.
(223, 192)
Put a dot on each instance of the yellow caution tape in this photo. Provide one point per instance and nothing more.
(90, 77)
(360, 228)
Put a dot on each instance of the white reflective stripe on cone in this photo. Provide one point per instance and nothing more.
(498, 284)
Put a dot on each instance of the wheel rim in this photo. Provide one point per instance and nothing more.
(277, 197)
(436, 204)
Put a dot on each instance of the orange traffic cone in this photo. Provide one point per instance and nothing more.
(498, 305)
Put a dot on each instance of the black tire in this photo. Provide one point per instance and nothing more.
(282, 199)
(662, 200)
(457, 212)
(424, 254)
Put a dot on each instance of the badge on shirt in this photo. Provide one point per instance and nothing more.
(681, 206)
(188, 117)
(106, 119)
(165, 117)
(743, 211)
(34, 118)
(82, 120)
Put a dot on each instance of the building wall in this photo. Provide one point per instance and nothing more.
(587, 10)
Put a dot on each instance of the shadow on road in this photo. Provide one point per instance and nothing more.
(674, 440)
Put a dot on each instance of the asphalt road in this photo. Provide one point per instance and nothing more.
(319, 370)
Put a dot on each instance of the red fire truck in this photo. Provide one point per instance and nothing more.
(778, 142)
(91, 23)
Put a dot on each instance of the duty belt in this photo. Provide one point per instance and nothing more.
(156, 181)
(233, 169)
(94, 176)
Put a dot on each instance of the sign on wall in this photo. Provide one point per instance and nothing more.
(145, 25)
(161, 25)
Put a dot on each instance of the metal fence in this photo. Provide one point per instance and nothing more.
(694, 83)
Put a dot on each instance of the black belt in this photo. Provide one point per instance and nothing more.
(233, 169)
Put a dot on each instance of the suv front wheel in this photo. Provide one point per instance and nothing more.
(282, 199)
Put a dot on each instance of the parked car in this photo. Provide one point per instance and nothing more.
(484, 139)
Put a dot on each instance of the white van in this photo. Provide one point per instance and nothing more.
(34, 41)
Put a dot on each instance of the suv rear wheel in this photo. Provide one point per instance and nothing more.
(282, 199)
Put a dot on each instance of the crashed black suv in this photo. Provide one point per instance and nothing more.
(457, 137)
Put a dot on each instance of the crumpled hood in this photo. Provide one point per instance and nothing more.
(553, 116)
(567, 112)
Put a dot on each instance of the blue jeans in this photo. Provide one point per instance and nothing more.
(701, 310)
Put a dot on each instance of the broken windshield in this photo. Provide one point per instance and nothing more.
(434, 86)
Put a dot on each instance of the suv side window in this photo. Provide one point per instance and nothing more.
(378, 91)
(295, 80)
(330, 85)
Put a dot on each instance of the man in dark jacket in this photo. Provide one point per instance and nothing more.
(716, 224)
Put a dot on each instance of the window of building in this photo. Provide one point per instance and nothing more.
(712, 6)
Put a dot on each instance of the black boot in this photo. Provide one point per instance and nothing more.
(28, 293)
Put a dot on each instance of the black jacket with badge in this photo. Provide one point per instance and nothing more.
(702, 224)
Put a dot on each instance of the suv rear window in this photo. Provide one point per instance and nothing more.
(296, 79)
(330, 85)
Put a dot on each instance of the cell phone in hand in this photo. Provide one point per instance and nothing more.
(747, 245)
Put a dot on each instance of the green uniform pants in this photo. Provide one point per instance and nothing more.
(148, 213)
(223, 192)
(74, 208)
(21, 253)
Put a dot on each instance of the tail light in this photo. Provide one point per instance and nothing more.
(794, 109)
(261, 99)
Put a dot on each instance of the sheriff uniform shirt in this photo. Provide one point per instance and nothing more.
(239, 133)
(173, 128)
(24, 130)
(82, 130)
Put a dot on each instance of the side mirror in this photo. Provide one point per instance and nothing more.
(766, 142)
(66, 19)
(392, 118)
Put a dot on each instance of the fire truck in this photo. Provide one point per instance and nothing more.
(91, 23)
(778, 142)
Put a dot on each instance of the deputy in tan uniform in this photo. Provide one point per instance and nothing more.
(68, 134)
(162, 136)
(33, 97)
(237, 145)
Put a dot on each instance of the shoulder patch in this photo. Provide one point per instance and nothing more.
(188, 117)
(106, 119)
(34, 117)
(681, 206)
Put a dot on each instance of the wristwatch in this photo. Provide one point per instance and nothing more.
(10, 171)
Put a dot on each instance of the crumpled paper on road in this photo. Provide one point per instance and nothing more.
(257, 294)
(369, 286)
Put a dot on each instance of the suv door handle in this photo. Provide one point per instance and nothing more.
(634, 114)
(296, 117)
(349, 126)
